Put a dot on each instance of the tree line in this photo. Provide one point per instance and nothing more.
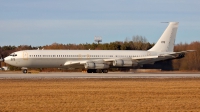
(191, 61)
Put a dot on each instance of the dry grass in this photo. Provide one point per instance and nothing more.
(100, 95)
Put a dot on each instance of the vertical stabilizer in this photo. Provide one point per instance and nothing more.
(167, 40)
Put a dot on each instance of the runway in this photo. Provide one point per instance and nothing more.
(62, 75)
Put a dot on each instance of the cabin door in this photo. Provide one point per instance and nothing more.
(25, 55)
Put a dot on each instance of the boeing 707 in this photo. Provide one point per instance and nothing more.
(98, 61)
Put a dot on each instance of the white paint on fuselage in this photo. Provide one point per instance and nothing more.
(57, 58)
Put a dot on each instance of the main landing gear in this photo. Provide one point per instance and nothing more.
(97, 71)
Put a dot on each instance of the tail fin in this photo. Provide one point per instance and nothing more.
(167, 40)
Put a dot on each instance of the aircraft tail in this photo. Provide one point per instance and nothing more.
(167, 40)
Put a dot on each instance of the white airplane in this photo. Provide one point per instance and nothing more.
(98, 61)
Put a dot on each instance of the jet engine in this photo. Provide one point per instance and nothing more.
(96, 66)
(123, 63)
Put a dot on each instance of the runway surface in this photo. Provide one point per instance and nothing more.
(58, 75)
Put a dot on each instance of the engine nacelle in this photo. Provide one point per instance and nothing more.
(96, 66)
(89, 65)
(121, 62)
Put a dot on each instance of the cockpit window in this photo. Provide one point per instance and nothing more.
(13, 55)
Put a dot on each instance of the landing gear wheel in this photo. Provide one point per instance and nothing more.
(98, 71)
(89, 71)
(25, 71)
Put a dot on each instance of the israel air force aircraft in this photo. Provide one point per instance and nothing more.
(98, 61)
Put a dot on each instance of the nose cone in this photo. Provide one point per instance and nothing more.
(7, 60)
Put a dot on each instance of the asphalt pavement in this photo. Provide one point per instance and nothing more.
(60, 75)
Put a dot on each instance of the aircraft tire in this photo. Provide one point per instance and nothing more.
(93, 70)
(25, 71)
(89, 71)
(98, 71)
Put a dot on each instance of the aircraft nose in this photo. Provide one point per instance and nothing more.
(7, 60)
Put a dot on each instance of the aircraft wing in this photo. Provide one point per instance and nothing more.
(137, 60)
(75, 62)
(131, 58)
(108, 61)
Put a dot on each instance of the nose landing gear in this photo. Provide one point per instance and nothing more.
(25, 71)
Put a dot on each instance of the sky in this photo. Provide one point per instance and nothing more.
(43, 22)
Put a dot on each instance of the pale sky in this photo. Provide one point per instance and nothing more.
(43, 22)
